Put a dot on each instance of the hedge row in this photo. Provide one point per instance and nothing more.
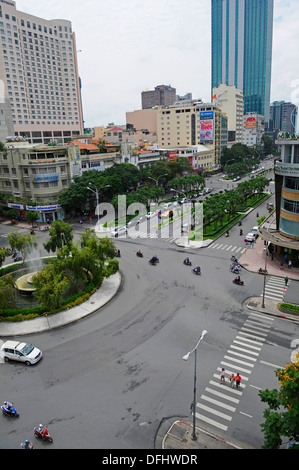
(290, 307)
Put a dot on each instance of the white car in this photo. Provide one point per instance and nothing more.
(21, 352)
(150, 214)
(119, 231)
(250, 237)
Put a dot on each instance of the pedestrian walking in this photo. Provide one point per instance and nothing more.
(222, 376)
(232, 379)
(252, 245)
(286, 279)
(290, 264)
(238, 380)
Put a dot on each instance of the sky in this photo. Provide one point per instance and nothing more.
(127, 47)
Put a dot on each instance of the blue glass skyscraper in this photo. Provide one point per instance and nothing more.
(242, 50)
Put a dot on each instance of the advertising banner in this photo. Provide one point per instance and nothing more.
(206, 127)
(250, 120)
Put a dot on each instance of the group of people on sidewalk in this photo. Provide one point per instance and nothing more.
(234, 379)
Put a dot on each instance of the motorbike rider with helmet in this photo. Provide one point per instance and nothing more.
(7, 406)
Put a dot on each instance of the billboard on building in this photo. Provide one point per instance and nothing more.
(250, 120)
(206, 127)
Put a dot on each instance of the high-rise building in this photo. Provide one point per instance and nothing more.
(231, 102)
(283, 117)
(242, 50)
(191, 123)
(162, 95)
(39, 70)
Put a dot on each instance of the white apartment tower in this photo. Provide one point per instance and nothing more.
(231, 102)
(39, 73)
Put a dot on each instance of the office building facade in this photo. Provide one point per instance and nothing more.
(39, 71)
(242, 50)
(162, 95)
(283, 117)
(196, 123)
(231, 102)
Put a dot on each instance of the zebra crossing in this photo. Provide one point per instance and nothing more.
(275, 288)
(222, 246)
(219, 402)
(140, 234)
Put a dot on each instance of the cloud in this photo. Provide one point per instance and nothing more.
(130, 46)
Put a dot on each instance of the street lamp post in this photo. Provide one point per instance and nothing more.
(96, 192)
(265, 274)
(186, 357)
(157, 180)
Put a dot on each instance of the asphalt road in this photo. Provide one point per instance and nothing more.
(107, 382)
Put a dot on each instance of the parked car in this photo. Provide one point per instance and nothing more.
(150, 214)
(119, 231)
(21, 352)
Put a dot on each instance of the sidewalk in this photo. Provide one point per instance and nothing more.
(255, 258)
(176, 433)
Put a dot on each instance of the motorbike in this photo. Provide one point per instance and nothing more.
(262, 271)
(188, 263)
(12, 412)
(196, 271)
(227, 234)
(18, 258)
(234, 269)
(32, 232)
(139, 254)
(154, 261)
(241, 232)
(117, 254)
(45, 437)
(238, 281)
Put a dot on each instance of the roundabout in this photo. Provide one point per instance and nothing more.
(101, 297)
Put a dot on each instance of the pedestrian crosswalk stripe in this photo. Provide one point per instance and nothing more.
(244, 350)
(264, 320)
(236, 359)
(218, 403)
(240, 369)
(215, 412)
(253, 330)
(241, 355)
(255, 325)
(223, 395)
(256, 343)
(247, 345)
(211, 421)
(229, 247)
(251, 335)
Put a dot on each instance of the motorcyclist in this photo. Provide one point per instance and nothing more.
(118, 252)
(238, 278)
(28, 445)
(197, 269)
(7, 406)
(241, 232)
(187, 261)
(42, 430)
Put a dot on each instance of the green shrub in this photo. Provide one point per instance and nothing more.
(291, 307)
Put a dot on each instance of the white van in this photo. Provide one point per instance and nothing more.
(254, 230)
